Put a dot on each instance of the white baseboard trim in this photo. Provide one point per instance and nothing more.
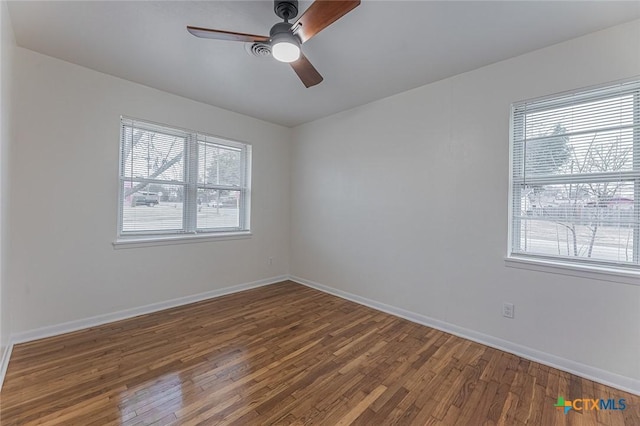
(68, 327)
(4, 361)
(608, 378)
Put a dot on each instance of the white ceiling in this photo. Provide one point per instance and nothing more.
(379, 49)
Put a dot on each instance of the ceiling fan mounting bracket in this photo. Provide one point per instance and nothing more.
(286, 9)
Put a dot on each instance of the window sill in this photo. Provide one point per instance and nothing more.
(146, 241)
(583, 271)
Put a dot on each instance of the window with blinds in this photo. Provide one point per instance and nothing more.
(575, 185)
(175, 181)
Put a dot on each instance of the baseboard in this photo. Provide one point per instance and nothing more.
(4, 361)
(597, 375)
(68, 327)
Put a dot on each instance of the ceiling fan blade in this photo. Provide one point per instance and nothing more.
(307, 72)
(225, 35)
(320, 15)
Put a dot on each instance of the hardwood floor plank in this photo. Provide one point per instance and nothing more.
(356, 411)
(285, 354)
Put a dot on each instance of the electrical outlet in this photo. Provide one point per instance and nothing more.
(507, 310)
(271, 261)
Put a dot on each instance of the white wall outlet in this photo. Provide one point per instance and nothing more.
(271, 261)
(507, 310)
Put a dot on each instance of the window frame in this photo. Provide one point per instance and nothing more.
(189, 230)
(569, 265)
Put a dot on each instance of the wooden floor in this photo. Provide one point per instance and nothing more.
(286, 354)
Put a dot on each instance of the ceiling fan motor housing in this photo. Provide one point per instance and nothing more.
(279, 29)
(282, 32)
(286, 9)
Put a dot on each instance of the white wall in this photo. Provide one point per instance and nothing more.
(404, 201)
(63, 208)
(6, 64)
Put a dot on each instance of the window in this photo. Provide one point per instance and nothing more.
(177, 182)
(575, 185)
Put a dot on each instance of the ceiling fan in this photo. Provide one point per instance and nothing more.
(285, 39)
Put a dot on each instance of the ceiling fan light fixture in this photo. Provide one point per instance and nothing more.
(285, 47)
(285, 52)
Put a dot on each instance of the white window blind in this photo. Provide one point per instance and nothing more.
(175, 181)
(576, 177)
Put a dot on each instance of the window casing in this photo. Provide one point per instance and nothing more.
(575, 178)
(176, 182)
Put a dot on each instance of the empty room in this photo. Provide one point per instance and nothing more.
(320, 212)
